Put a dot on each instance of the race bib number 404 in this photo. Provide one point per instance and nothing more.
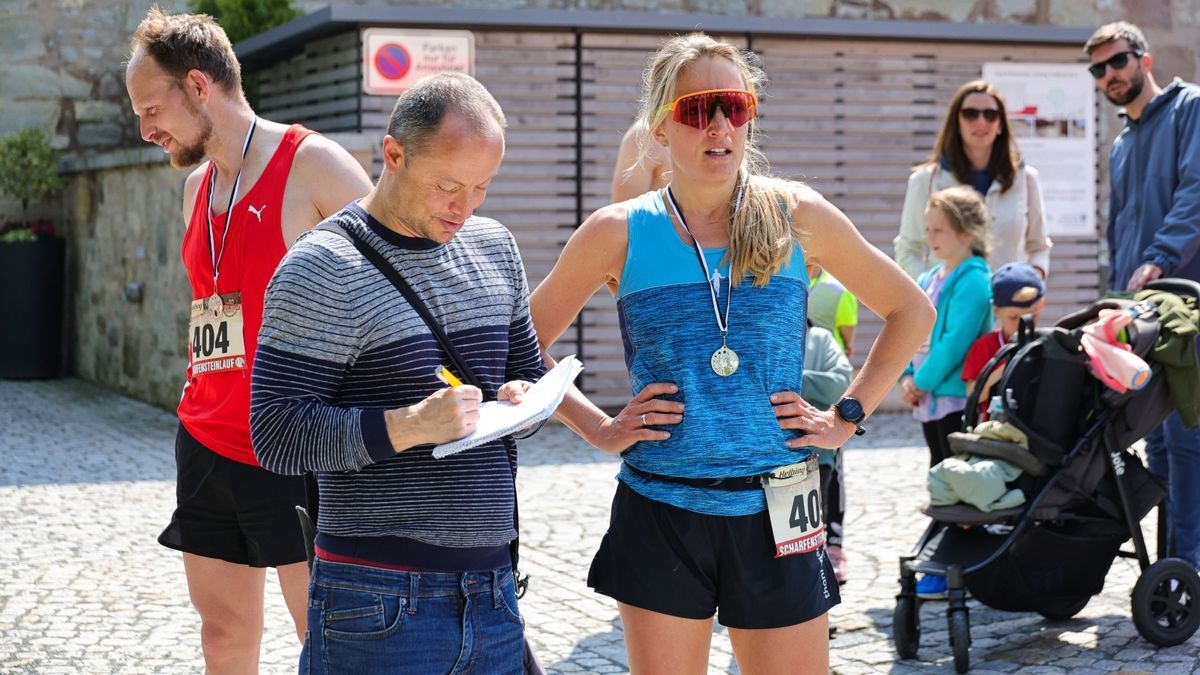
(215, 340)
(794, 504)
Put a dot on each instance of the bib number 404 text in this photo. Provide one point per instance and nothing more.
(806, 511)
(206, 340)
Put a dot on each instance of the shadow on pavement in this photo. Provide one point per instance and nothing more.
(595, 646)
(592, 647)
(1009, 637)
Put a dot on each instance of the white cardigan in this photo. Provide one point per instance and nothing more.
(1018, 231)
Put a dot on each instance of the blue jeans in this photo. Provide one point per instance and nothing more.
(1174, 456)
(364, 620)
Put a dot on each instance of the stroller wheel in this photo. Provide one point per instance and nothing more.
(906, 627)
(1165, 598)
(960, 639)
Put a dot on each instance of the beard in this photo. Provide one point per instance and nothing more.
(184, 156)
(1136, 84)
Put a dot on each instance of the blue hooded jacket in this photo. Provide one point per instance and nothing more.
(964, 312)
(1154, 206)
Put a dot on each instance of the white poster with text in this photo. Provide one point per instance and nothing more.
(1052, 114)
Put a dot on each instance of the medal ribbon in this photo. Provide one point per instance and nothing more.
(722, 324)
(215, 255)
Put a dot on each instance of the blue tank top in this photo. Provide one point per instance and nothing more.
(669, 333)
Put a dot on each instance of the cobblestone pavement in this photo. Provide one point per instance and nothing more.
(86, 483)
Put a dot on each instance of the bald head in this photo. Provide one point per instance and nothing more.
(422, 108)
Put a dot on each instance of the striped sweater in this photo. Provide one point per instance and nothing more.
(339, 346)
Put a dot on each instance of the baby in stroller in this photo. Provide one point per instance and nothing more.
(1084, 492)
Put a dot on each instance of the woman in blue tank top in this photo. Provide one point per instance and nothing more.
(717, 509)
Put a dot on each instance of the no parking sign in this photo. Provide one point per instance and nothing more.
(393, 59)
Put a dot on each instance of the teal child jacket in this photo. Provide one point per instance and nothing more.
(964, 312)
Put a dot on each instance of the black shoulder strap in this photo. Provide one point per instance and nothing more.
(460, 364)
(389, 271)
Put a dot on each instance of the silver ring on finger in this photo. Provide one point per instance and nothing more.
(643, 419)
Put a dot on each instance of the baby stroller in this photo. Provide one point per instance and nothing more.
(1085, 493)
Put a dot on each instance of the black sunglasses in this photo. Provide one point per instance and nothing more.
(972, 114)
(1117, 61)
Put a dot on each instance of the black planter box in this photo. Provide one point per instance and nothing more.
(31, 276)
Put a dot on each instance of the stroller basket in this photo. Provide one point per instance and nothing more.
(1052, 569)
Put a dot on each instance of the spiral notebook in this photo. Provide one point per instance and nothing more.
(501, 418)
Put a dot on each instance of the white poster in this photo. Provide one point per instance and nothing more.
(1052, 113)
(395, 58)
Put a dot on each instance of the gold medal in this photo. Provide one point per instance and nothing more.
(724, 361)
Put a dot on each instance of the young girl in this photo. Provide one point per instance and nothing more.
(956, 222)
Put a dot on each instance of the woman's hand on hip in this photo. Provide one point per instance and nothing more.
(636, 420)
(821, 428)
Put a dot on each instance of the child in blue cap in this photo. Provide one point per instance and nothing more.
(1017, 290)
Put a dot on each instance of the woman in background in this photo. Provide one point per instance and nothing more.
(976, 147)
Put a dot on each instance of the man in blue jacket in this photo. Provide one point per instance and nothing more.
(1154, 224)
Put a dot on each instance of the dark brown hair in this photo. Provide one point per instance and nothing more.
(1005, 157)
(183, 42)
(1119, 30)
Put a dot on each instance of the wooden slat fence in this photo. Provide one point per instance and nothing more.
(850, 117)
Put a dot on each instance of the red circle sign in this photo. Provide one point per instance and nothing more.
(392, 61)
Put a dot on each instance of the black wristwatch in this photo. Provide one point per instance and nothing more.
(852, 411)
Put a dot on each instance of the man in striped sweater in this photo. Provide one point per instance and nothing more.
(412, 570)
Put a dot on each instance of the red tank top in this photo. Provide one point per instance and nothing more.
(215, 407)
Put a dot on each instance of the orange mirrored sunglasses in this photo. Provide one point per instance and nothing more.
(698, 108)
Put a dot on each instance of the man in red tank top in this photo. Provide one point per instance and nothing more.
(263, 185)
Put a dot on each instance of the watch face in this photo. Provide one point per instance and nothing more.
(850, 410)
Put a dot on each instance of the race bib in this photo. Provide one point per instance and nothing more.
(794, 504)
(215, 340)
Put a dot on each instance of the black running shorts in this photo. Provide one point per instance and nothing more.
(681, 563)
(233, 511)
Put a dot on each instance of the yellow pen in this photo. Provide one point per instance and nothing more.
(446, 376)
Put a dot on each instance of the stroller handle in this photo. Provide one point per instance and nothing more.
(1175, 285)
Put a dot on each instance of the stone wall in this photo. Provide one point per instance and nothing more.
(63, 74)
(128, 294)
(62, 69)
(128, 309)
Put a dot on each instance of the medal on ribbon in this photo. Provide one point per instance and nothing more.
(724, 361)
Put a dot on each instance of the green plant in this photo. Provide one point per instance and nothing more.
(20, 231)
(28, 166)
(28, 172)
(242, 19)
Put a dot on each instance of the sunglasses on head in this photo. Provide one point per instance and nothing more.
(697, 109)
(1117, 61)
(972, 114)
